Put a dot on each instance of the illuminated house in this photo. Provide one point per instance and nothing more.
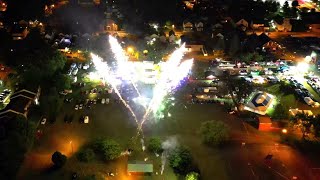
(259, 102)
(19, 33)
(187, 26)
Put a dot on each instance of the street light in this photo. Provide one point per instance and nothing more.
(130, 50)
(71, 146)
(284, 131)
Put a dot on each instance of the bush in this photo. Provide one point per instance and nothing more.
(85, 155)
(280, 112)
(154, 145)
(58, 159)
(192, 176)
(214, 132)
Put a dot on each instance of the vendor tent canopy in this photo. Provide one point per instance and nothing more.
(259, 102)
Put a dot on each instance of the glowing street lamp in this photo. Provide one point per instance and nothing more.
(130, 50)
(284, 131)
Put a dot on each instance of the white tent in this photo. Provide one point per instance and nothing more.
(259, 102)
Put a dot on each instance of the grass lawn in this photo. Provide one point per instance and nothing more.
(113, 121)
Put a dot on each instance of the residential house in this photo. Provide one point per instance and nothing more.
(217, 27)
(242, 24)
(172, 38)
(285, 26)
(19, 32)
(194, 47)
(110, 25)
(3, 6)
(19, 104)
(257, 24)
(187, 26)
(314, 28)
(254, 41)
(199, 26)
(272, 45)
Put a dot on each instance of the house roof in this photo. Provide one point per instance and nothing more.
(140, 168)
(242, 22)
(263, 38)
(19, 103)
(24, 93)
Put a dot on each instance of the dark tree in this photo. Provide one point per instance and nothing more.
(58, 159)
(280, 112)
(17, 139)
(180, 159)
(154, 145)
(239, 89)
(286, 9)
(295, 4)
(85, 155)
(26, 10)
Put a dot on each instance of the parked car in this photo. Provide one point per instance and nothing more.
(86, 119)
(73, 65)
(310, 102)
(103, 101)
(76, 107)
(243, 72)
(75, 71)
(80, 106)
(43, 121)
(85, 66)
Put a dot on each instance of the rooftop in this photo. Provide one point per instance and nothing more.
(143, 168)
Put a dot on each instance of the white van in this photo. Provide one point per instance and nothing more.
(86, 120)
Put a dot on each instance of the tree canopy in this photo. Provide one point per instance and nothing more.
(85, 155)
(180, 159)
(107, 148)
(58, 159)
(26, 10)
(280, 112)
(18, 138)
(214, 132)
(155, 145)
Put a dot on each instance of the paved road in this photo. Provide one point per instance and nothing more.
(249, 148)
